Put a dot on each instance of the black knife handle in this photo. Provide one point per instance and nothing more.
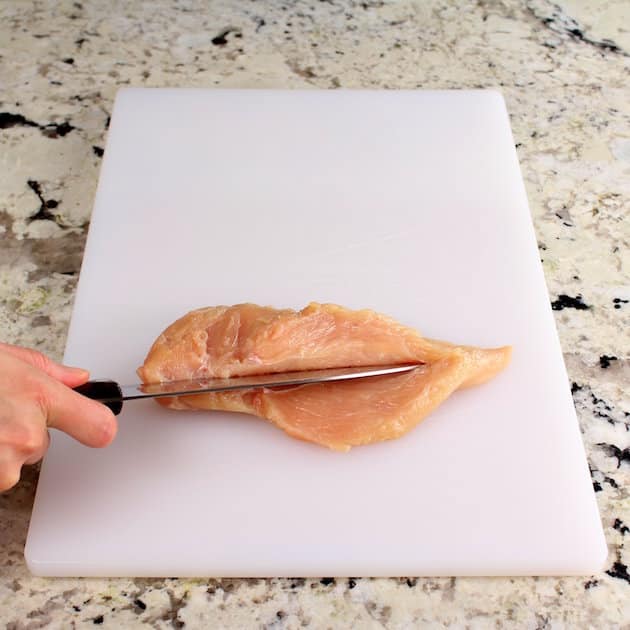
(105, 391)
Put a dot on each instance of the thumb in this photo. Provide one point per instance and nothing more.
(88, 421)
(70, 376)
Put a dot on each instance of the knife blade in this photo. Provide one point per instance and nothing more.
(112, 394)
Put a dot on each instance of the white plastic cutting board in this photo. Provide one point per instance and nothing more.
(410, 203)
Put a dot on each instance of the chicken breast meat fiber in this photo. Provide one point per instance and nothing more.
(246, 339)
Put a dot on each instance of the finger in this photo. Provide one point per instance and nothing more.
(88, 421)
(9, 469)
(70, 376)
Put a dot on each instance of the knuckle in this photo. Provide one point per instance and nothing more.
(24, 437)
(43, 401)
(32, 441)
(38, 359)
(9, 477)
(34, 455)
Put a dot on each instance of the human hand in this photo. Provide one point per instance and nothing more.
(35, 395)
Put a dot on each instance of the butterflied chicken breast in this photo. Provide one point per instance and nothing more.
(246, 339)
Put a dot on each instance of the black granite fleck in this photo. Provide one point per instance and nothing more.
(42, 213)
(604, 44)
(97, 621)
(604, 360)
(597, 401)
(621, 455)
(352, 583)
(68, 60)
(50, 130)
(57, 130)
(597, 483)
(601, 409)
(8, 119)
(221, 38)
(562, 23)
(611, 482)
(411, 582)
(617, 302)
(98, 151)
(620, 571)
(139, 604)
(575, 387)
(560, 216)
(566, 301)
(176, 604)
(327, 581)
(621, 527)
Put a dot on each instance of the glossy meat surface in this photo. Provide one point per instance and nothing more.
(249, 339)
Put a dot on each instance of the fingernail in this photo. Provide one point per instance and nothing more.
(77, 370)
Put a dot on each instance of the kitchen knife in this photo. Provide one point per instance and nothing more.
(111, 394)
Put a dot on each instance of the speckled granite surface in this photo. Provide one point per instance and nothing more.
(564, 68)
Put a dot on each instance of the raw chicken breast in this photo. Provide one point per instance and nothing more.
(245, 339)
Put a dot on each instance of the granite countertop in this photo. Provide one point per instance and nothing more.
(564, 68)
